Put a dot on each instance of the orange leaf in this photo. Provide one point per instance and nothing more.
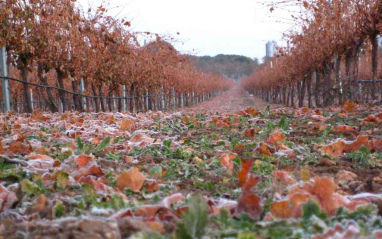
(39, 156)
(275, 138)
(243, 173)
(282, 177)
(251, 111)
(362, 140)
(152, 185)
(127, 159)
(139, 137)
(251, 183)
(156, 226)
(324, 187)
(148, 211)
(304, 110)
(265, 149)
(227, 161)
(132, 179)
(281, 209)
(82, 160)
(335, 149)
(126, 124)
(41, 202)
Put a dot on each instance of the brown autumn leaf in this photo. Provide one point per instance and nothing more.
(221, 124)
(344, 128)
(265, 149)
(132, 179)
(249, 202)
(376, 144)
(349, 107)
(21, 148)
(250, 132)
(88, 170)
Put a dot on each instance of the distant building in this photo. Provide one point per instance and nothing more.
(270, 48)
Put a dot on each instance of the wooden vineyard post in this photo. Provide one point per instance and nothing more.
(5, 82)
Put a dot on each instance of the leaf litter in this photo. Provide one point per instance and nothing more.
(280, 173)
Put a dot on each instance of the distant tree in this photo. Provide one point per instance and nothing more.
(229, 66)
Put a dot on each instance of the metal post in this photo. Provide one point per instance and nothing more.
(114, 102)
(162, 98)
(32, 105)
(124, 98)
(82, 89)
(5, 82)
(147, 99)
(173, 98)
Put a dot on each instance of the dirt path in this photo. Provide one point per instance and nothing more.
(233, 100)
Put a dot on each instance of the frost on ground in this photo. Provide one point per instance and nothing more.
(240, 172)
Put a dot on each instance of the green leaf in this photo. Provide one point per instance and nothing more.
(283, 124)
(167, 143)
(80, 145)
(224, 218)
(59, 209)
(62, 180)
(102, 145)
(156, 170)
(310, 209)
(194, 220)
(182, 232)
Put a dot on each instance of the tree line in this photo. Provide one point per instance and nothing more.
(55, 42)
(334, 47)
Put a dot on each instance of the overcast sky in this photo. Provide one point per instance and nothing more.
(206, 27)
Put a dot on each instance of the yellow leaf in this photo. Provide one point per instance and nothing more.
(305, 173)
